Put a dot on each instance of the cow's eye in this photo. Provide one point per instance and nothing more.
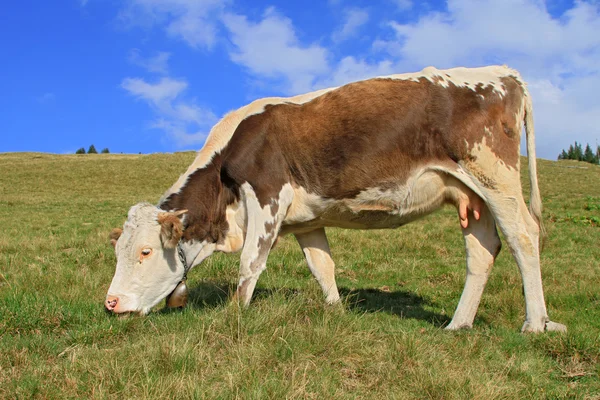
(146, 252)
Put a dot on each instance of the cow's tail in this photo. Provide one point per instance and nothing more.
(535, 199)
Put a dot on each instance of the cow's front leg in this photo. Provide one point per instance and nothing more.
(262, 227)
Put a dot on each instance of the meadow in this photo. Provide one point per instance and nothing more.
(386, 340)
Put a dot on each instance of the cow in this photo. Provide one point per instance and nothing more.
(372, 154)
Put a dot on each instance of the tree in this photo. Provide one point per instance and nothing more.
(576, 152)
(80, 150)
(563, 155)
(105, 150)
(588, 155)
(571, 153)
(92, 150)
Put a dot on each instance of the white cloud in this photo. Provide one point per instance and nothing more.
(349, 69)
(270, 49)
(184, 121)
(491, 30)
(158, 63)
(190, 20)
(165, 91)
(563, 115)
(355, 18)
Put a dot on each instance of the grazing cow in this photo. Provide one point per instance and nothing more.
(373, 154)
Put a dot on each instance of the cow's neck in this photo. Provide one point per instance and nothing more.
(207, 199)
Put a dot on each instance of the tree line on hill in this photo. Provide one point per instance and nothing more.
(92, 150)
(576, 152)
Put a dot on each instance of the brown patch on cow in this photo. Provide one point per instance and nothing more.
(206, 195)
(270, 227)
(509, 131)
(171, 228)
(437, 79)
(265, 244)
(476, 112)
(114, 236)
(274, 207)
(241, 289)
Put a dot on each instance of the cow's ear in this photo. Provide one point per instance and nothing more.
(115, 234)
(171, 227)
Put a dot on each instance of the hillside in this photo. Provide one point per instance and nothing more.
(400, 287)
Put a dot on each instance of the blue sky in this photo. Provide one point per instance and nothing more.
(155, 75)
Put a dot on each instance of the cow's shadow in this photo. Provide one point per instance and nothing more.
(402, 303)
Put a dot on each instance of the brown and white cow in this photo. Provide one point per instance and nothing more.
(373, 154)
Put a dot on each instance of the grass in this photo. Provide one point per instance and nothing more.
(400, 287)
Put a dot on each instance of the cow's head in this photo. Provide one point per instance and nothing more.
(148, 266)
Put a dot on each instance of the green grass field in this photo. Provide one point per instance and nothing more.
(400, 287)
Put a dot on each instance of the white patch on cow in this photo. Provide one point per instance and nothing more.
(234, 239)
(262, 228)
(488, 161)
(222, 132)
(305, 206)
(197, 251)
(464, 77)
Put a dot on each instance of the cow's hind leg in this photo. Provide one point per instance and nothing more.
(482, 246)
(263, 223)
(316, 250)
(506, 203)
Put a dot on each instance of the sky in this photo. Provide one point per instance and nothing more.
(155, 75)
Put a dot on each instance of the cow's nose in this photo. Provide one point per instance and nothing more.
(111, 302)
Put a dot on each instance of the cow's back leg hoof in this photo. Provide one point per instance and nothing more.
(543, 326)
(555, 327)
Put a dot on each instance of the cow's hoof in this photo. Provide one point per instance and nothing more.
(458, 327)
(555, 327)
(545, 326)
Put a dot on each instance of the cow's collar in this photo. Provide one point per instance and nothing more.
(186, 266)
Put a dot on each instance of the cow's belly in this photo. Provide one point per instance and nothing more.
(377, 207)
(351, 220)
